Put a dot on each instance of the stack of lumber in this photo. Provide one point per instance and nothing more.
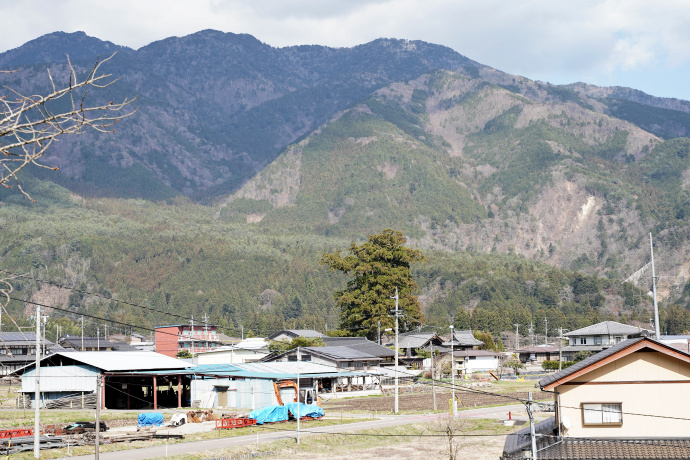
(73, 402)
(26, 443)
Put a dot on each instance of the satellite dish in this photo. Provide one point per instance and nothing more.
(566, 422)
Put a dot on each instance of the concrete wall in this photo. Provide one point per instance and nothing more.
(645, 383)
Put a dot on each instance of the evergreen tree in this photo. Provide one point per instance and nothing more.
(378, 267)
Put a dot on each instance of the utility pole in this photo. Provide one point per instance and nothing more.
(37, 389)
(396, 312)
(379, 334)
(433, 382)
(82, 333)
(531, 334)
(546, 331)
(657, 334)
(98, 339)
(98, 415)
(452, 368)
(517, 337)
(192, 335)
(298, 359)
(560, 352)
(532, 432)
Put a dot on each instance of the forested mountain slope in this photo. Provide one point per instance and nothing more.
(530, 200)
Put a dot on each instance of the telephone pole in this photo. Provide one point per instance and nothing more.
(517, 336)
(546, 331)
(396, 312)
(37, 389)
(657, 333)
(82, 333)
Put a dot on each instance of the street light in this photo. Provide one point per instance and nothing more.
(452, 367)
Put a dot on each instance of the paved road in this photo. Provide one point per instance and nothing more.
(268, 435)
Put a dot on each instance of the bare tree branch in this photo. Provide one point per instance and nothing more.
(28, 125)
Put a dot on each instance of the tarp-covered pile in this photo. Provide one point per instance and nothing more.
(270, 414)
(150, 419)
(305, 410)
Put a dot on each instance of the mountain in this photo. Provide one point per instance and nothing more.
(214, 108)
(246, 162)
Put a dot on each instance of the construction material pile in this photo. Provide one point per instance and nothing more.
(10, 446)
(198, 416)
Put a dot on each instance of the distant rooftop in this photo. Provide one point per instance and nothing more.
(608, 328)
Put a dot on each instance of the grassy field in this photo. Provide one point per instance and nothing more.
(479, 439)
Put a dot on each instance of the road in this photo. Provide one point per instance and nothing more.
(268, 435)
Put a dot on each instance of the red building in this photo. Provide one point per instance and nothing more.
(171, 340)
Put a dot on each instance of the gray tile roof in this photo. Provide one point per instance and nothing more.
(19, 339)
(417, 339)
(607, 328)
(463, 339)
(361, 344)
(341, 353)
(522, 440)
(308, 333)
(599, 357)
(555, 448)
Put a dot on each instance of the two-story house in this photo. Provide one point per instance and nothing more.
(17, 349)
(598, 337)
(628, 401)
(171, 340)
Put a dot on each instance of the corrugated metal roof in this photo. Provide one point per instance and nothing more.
(111, 361)
(285, 370)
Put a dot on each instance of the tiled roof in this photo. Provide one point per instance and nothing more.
(308, 333)
(340, 353)
(19, 338)
(467, 353)
(612, 449)
(607, 328)
(415, 339)
(521, 440)
(463, 339)
(576, 348)
(361, 344)
(548, 349)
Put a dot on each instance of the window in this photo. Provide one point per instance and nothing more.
(597, 340)
(292, 358)
(473, 357)
(306, 357)
(602, 414)
(619, 339)
(359, 364)
(583, 340)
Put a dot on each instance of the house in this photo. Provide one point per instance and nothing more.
(628, 401)
(462, 340)
(365, 345)
(17, 349)
(289, 334)
(248, 350)
(79, 343)
(469, 361)
(170, 340)
(130, 379)
(538, 354)
(412, 341)
(598, 337)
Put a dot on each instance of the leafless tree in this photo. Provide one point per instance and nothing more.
(29, 124)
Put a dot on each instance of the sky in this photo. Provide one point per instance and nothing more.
(643, 44)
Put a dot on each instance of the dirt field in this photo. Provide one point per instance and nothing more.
(424, 401)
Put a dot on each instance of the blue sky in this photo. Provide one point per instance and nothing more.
(637, 43)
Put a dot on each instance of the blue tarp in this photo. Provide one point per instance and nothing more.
(305, 410)
(269, 414)
(150, 419)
